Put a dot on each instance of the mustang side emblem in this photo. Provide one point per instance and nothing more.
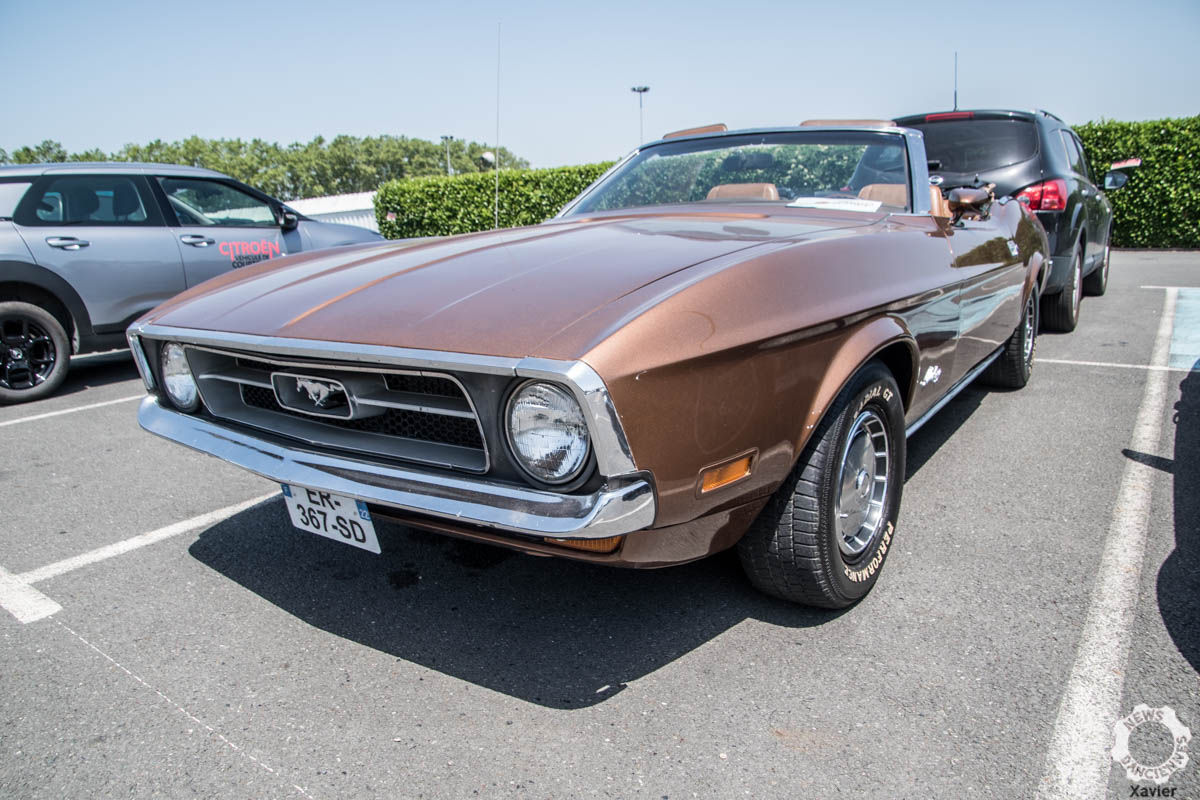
(323, 394)
(931, 375)
(1012, 248)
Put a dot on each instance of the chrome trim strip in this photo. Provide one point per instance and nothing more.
(143, 365)
(954, 390)
(613, 510)
(342, 351)
(613, 454)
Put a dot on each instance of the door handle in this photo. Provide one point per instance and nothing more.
(66, 242)
(196, 240)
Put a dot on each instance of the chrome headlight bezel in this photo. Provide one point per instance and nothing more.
(580, 460)
(179, 385)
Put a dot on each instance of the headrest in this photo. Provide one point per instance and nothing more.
(747, 191)
(890, 194)
(81, 201)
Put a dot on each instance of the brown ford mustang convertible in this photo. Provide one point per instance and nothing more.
(724, 341)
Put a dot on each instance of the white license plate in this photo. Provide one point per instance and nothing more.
(333, 516)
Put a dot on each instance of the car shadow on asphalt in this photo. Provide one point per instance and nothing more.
(1179, 576)
(557, 633)
(100, 369)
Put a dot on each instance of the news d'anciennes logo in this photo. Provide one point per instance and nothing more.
(1163, 717)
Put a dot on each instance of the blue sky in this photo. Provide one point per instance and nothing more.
(104, 74)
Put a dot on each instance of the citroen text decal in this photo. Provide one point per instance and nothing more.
(245, 253)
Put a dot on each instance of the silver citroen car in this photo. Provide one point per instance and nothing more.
(85, 249)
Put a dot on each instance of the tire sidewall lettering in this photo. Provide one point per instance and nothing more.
(857, 578)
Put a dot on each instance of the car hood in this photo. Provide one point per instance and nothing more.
(501, 293)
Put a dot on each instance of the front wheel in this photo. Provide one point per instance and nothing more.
(34, 353)
(823, 537)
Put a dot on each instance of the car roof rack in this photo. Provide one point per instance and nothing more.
(849, 123)
(1048, 114)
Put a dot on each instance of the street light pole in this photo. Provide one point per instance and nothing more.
(640, 91)
(446, 141)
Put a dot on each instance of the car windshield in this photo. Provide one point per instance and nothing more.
(848, 170)
(978, 145)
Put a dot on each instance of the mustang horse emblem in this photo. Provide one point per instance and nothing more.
(323, 394)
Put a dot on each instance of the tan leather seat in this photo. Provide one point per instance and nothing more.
(890, 194)
(937, 202)
(743, 191)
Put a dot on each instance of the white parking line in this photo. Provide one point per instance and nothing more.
(49, 414)
(1151, 367)
(23, 601)
(1078, 762)
(27, 604)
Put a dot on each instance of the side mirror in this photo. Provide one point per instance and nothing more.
(1115, 179)
(289, 221)
(965, 200)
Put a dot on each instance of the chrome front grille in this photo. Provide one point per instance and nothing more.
(392, 414)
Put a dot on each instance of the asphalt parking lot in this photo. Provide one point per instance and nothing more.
(167, 633)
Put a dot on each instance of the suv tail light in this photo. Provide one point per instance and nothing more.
(950, 115)
(1047, 196)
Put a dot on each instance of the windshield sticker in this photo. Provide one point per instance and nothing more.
(245, 253)
(836, 203)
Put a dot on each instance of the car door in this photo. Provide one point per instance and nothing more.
(103, 233)
(1089, 196)
(990, 278)
(1095, 203)
(219, 226)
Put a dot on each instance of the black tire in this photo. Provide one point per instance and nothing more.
(1096, 283)
(34, 353)
(1060, 312)
(795, 549)
(1011, 370)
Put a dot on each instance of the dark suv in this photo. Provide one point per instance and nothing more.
(1037, 158)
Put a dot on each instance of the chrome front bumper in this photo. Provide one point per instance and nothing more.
(613, 510)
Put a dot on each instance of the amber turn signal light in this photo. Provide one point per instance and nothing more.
(725, 474)
(593, 545)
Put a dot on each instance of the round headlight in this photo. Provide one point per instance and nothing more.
(177, 378)
(547, 432)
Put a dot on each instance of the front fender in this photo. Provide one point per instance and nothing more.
(888, 337)
(763, 398)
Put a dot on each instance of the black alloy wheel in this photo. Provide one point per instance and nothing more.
(34, 352)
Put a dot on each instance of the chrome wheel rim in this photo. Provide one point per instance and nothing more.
(862, 483)
(1029, 328)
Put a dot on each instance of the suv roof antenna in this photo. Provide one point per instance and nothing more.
(956, 80)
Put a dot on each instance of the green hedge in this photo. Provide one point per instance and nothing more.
(442, 206)
(1160, 205)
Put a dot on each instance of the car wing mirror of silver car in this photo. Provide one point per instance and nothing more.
(288, 221)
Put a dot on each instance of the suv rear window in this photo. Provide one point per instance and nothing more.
(977, 145)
